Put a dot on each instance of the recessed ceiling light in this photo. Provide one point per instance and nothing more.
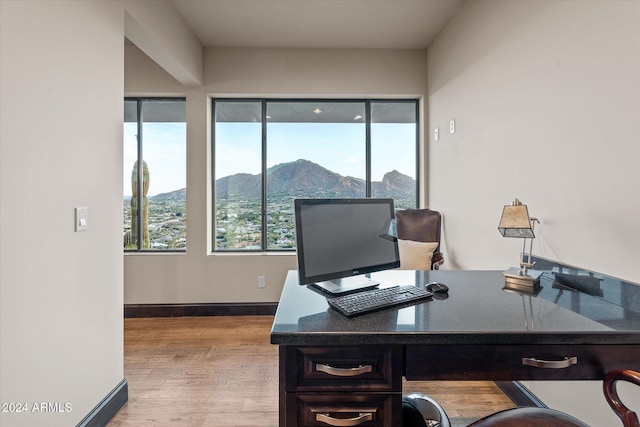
(317, 111)
(358, 117)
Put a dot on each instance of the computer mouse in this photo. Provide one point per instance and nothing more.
(437, 288)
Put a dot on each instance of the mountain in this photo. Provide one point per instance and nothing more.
(304, 178)
(173, 196)
(393, 183)
(244, 184)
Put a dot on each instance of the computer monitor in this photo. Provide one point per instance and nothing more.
(340, 240)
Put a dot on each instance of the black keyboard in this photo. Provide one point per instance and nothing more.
(377, 299)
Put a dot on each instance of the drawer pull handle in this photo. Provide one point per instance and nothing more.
(550, 364)
(344, 372)
(344, 422)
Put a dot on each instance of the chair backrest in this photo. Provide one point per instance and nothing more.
(544, 417)
(529, 417)
(420, 409)
(420, 225)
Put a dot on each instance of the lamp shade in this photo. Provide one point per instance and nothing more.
(515, 221)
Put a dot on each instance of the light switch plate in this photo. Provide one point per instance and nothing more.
(81, 219)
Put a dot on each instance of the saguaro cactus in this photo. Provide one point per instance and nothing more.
(144, 212)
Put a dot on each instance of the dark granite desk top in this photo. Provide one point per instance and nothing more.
(477, 311)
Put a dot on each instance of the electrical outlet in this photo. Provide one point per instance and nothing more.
(436, 134)
(452, 126)
(262, 282)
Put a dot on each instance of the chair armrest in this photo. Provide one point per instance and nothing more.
(628, 417)
(437, 260)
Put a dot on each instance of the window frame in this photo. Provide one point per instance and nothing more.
(263, 157)
(140, 155)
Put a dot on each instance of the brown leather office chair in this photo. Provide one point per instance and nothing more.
(421, 225)
(432, 414)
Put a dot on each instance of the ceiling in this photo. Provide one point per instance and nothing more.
(339, 24)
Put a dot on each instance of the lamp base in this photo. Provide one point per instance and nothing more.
(516, 278)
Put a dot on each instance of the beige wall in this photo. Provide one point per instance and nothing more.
(546, 100)
(61, 296)
(199, 276)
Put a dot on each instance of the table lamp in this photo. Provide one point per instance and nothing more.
(516, 222)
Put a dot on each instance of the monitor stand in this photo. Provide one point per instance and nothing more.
(346, 285)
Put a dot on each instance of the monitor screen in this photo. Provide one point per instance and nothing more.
(341, 238)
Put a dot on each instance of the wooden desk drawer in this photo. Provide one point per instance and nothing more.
(342, 409)
(370, 368)
(506, 362)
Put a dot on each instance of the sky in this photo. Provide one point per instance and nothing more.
(339, 147)
(164, 152)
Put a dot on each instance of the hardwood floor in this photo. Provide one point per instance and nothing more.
(223, 372)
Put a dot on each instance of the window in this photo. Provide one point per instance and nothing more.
(267, 152)
(155, 144)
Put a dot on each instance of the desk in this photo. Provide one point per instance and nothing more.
(334, 368)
